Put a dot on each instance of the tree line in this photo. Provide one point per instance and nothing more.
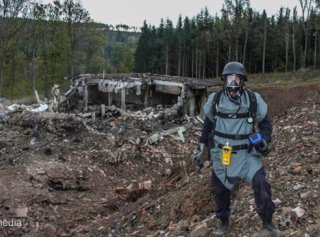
(41, 44)
(199, 47)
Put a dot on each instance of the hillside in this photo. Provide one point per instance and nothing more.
(61, 178)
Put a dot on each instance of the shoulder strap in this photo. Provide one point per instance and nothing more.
(215, 103)
(253, 103)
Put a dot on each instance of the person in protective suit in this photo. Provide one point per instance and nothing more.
(236, 147)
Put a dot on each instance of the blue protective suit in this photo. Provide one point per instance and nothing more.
(244, 163)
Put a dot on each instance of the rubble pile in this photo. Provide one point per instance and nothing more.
(296, 157)
(123, 175)
(63, 170)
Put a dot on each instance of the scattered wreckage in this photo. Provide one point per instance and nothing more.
(144, 97)
(129, 95)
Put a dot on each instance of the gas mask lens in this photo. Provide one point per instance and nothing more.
(233, 81)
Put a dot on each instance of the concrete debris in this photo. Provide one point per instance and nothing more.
(33, 140)
(298, 186)
(4, 111)
(49, 229)
(200, 231)
(145, 185)
(35, 108)
(305, 194)
(41, 108)
(291, 215)
(161, 134)
(134, 192)
(286, 216)
(299, 211)
(183, 225)
(16, 107)
(57, 98)
(21, 212)
(277, 202)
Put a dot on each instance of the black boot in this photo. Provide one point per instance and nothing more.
(222, 229)
(272, 229)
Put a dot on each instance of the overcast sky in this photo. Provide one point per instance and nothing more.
(134, 12)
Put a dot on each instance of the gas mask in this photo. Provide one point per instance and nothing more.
(233, 86)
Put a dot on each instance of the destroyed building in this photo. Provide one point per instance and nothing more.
(134, 92)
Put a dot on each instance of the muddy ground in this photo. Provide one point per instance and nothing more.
(65, 176)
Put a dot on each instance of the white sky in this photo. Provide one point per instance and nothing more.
(134, 12)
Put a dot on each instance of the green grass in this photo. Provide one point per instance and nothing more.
(23, 87)
(301, 76)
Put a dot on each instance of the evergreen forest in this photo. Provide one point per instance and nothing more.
(199, 47)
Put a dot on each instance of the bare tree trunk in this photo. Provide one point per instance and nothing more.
(204, 66)
(305, 49)
(217, 60)
(1, 77)
(245, 48)
(186, 67)
(189, 63)
(305, 6)
(315, 52)
(167, 59)
(301, 53)
(33, 69)
(46, 86)
(196, 62)
(71, 49)
(275, 61)
(237, 42)
(264, 45)
(315, 45)
(183, 59)
(13, 76)
(287, 50)
(287, 36)
(229, 53)
(294, 48)
(199, 64)
(184, 62)
(179, 62)
(192, 65)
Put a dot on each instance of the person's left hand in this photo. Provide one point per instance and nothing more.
(262, 147)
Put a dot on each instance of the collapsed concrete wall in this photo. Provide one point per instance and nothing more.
(133, 92)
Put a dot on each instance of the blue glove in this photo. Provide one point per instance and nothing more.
(198, 157)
